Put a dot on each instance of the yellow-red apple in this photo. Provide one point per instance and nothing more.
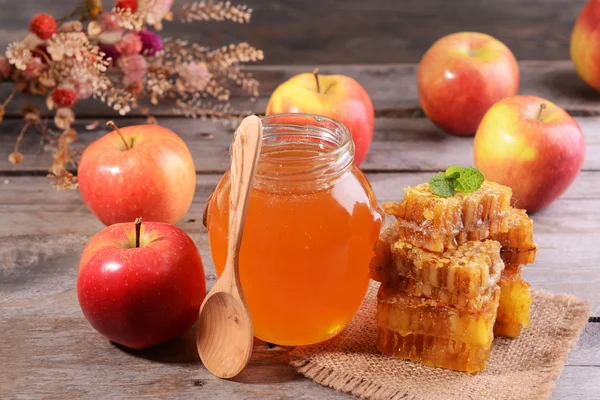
(338, 97)
(585, 44)
(531, 145)
(461, 76)
(138, 171)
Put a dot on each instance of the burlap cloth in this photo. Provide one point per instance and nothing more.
(523, 368)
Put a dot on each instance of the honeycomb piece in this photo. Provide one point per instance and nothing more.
(469, 270)
(507, 329)
(382, 257)
(408, 314)
(517, 243)
(515, 302)
(442, 296)
(382, 267)
(433, 351)
(437, 223)
(518, 256)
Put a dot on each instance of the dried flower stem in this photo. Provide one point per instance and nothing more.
(10, 97)
(76, 11)
(48, 60)
(42, 130)
(21, 134)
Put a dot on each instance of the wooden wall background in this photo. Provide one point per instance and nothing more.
(357, 31)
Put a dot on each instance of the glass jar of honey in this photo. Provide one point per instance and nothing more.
(311, 225)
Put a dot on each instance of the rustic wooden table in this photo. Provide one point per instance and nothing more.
(48, 350)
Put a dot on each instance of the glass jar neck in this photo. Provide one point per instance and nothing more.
(302, 150)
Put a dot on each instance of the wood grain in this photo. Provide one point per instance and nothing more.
(399, 144)
(50, 351)
(354, 31)
(392, 88)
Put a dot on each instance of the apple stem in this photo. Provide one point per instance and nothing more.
(116, 128)
(542, 108)
(316, 74)
(138, 228)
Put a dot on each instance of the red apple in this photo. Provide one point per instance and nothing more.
(138, 171)
(141, 296)
(461, 76)
(585, 44)
(531, 145)
(338, 97)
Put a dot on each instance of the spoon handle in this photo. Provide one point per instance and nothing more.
(245, 152)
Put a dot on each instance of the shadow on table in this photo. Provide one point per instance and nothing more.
(178, 351)
(269, 364)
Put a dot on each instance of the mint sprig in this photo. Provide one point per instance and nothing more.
(456, 179)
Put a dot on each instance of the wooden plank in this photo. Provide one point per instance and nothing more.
(392, 88)
(353, 31)
(587, 351)
(399, 144)
(577, 383)
(33, 213)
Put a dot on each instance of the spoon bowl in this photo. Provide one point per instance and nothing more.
(224, 326)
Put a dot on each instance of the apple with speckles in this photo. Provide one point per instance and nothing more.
(338, 97)
(141, 284)
(585, 44)
(532, 146)
(137, 171)
(461, 76)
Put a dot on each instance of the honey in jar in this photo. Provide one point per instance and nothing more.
(311, 225)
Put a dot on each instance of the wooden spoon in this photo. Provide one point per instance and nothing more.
(224, 332)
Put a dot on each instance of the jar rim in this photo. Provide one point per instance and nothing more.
(342, 139)
(334, 137)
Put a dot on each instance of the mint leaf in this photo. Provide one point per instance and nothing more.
(456, 178)
(453, 172)
(470, 180)
(441, 185)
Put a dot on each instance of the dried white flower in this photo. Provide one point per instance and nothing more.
(18, 55)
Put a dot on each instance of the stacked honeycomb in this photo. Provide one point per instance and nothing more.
(445, 290)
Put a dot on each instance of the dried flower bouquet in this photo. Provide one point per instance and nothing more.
(118, 58)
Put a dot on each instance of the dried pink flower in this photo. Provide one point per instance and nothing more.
(194, 76)
(151, 42)
(110, 52)
(133, 67)
(129, 44)
(109, 21)
(5, 68)
(34, 68)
